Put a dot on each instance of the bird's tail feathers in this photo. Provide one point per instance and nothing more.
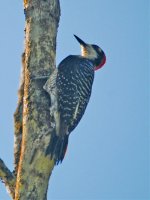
(57, 148)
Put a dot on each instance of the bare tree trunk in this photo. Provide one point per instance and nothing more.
(32, 118)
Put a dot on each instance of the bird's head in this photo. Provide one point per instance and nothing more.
(92, 52)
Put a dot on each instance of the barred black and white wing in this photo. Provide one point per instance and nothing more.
(74, 84)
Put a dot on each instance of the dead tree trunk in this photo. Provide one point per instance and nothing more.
(32, 117)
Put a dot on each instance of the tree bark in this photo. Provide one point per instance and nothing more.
(35, 167)
(7, 178)
(32, 117)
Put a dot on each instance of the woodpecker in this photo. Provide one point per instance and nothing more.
(70, 87)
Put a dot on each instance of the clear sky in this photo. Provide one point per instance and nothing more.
(108, 153)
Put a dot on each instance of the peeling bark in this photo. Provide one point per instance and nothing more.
(18, 120)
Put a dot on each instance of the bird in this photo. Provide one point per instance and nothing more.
(69, 88)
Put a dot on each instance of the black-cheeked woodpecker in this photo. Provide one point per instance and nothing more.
(69, 88)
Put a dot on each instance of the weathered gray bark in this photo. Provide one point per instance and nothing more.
(32, 118)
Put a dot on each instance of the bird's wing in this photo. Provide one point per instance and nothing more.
(74, 85)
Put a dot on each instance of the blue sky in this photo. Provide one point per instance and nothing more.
(108, 153)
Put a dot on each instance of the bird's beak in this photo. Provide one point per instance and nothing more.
(82, 43)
